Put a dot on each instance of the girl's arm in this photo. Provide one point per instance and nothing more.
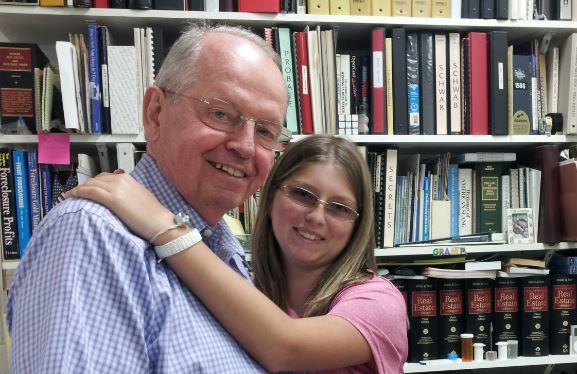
(274, 339)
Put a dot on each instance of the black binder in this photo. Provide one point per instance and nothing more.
(427, 80)
(400, 98)
(498, 83)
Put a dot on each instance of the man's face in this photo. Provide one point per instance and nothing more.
(216, 171)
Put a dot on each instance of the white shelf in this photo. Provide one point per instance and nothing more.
(452, 142)
(10, 264)
(462, 249)
(44, 24)
(76, 139)
(443, 365)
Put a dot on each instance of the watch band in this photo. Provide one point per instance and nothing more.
(179, 244)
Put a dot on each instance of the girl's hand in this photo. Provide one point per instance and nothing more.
(137, 207)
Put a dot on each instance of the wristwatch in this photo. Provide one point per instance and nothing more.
(179, 244)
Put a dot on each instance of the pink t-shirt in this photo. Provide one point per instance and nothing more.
(377, 309)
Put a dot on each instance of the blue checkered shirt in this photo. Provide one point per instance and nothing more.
(91, 297)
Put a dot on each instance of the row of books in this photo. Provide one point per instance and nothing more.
(30, 189)
(422, 197)
(428, 83)
(487, 9)
(535, 310)
(97, 87)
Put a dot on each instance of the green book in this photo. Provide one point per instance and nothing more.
(488, 196)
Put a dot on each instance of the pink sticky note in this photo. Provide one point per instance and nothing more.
(54, 149)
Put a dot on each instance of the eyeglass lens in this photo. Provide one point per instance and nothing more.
(308, 199)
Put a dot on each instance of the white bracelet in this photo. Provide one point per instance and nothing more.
(178, 245)
(180, 219)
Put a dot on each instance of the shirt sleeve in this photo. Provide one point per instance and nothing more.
(377, 309)
(69, 308)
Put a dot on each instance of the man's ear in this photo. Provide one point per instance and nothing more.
(153, 104)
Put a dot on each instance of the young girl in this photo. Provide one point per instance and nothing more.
(313, 260)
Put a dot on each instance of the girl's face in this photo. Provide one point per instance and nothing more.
(311, 237)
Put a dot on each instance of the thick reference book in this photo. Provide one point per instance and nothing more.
(479, 308)
(562, 293)
(506, 314)
(534, 316)
(34, 189)
(378, 81)
(522, 98)
(17, 63)
(423, 319)
(22, 195)
(568, 197)
(10, 248)
(451, 316)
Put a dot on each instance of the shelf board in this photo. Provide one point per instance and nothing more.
(443, 365)
(429, 250)
(44, 24)
(77, 139)
(10, 264)
(472, 143)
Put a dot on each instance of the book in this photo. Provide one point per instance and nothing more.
(567, 104)
(454, 81)
(488, 196)
(286, 56)
(483, 265)
(381, 8)
(534, 316)
(562, 293)
(498, 89)
(123, 88)
(458, 274)
(413, 83)
(378, 104)
(522, 99)
(568, 199)
(95, 78)
(339, 7)
(401, 8)
(34, 189)
(305, 110)
(479, 88)
(423, 319)
(473, 157)
(479, 308)
(260, 6)
(421, 8)
(318, 7)
(441, 84)
(506, 312)
(22, 197)
(466, 199)
(400, 94)
(10, 247)
(17, 90)
(427, 83)
(451, 316)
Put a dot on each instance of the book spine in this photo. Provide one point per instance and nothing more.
(22, 198)
(506, 324)
(46, 183)
(34, 187)
(521, 95)
(10, 247)
(479, 306)
(451, 316)
(427, 84)
(400, 109)
(455, 82)
(105, 90)
(465, 201)
(423, 335)
(378, 81)
(94, 67)
(441, 83)
(479, 83)
(534, 316)
(453, 192)
(390, 197)
(413, 85)
(499, 93)
(563, 313)
(488, 200)
(285, 52)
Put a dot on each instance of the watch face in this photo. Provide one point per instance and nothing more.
(181, 219)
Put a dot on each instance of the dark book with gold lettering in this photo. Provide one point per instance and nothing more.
(488, 199)
(423, 319)
(451, 316)
(534, 316)
(562, 291)
(506, 324)
(18, 108)
(479, 309)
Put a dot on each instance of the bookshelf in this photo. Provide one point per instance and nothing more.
(44, 26)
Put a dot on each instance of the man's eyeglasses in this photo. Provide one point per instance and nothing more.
(223, 116)
(309, 200)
